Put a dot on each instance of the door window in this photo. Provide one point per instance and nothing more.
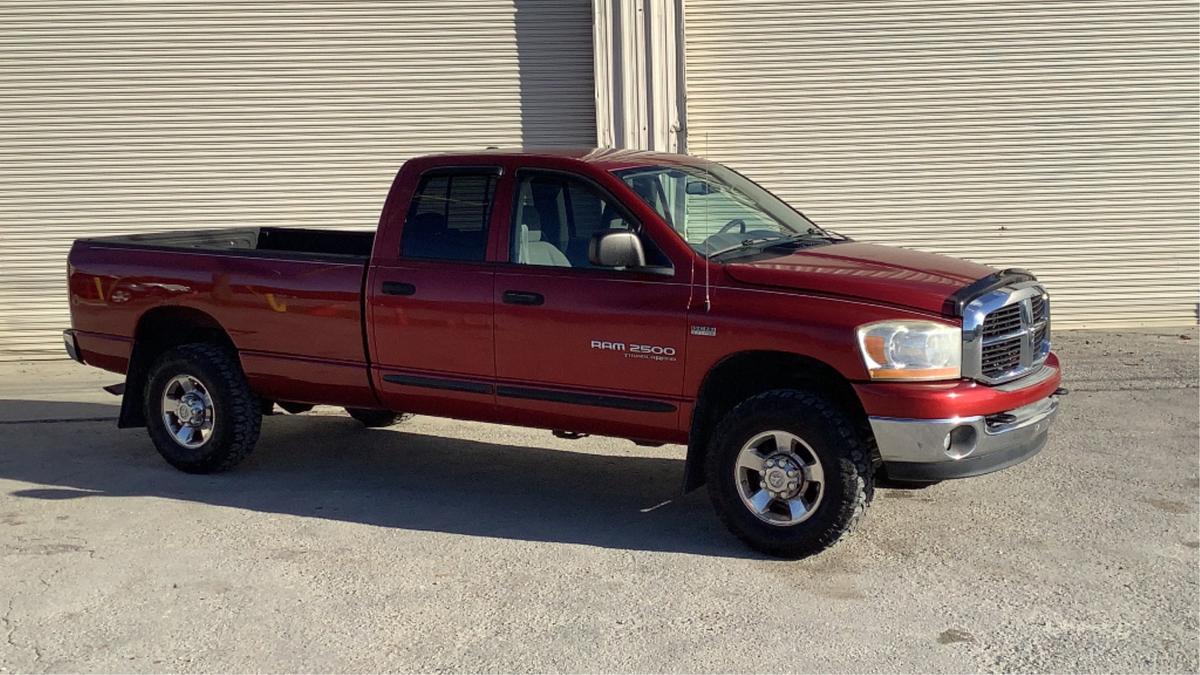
(449, 216)
(555, 217)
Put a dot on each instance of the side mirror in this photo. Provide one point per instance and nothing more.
(699, 187)
(616, 248)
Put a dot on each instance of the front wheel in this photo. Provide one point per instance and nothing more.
(199, 410)
(788, 473)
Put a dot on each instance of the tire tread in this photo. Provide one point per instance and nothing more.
(242, 407)
(854, 447)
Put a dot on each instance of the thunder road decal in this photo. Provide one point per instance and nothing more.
(636, 351)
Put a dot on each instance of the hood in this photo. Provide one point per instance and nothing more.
(895, 276)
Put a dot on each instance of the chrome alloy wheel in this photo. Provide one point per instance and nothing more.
(779, 478)
(187, 411)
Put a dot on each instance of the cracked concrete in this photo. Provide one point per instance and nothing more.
(441, 545)
(10, 639)
(9, 627)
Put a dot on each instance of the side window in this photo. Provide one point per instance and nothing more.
(555, 218)
(448, 217)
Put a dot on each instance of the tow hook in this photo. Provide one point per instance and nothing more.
(1000, 420)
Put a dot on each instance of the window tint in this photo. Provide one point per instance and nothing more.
(448, 218)
(555, 217)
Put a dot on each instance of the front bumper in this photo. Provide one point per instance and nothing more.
(938, 449)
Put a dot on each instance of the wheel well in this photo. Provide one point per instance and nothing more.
(740, 376)
(158, 330)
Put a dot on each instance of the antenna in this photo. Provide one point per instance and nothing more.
(707, 246)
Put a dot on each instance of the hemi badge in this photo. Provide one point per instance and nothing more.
(704, 331)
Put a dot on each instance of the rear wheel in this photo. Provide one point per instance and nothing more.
(377, 418)
(788, 473)
(200, 413)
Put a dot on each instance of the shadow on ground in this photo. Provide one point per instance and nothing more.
(333, 468)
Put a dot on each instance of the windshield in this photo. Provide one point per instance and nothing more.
(716, 210)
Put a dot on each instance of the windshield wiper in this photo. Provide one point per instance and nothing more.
(769, 242)
(745, 243)
(829, 235)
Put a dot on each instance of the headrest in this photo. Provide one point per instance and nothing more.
(530, 235)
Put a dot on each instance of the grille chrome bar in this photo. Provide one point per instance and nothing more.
(987, 341)
(1006, 333)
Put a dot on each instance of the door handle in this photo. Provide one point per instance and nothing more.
(523, 298)
(398, 288)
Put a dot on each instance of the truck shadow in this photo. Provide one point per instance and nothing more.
(332, 468)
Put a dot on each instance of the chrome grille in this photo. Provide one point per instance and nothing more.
(1001, 357)
(1002, 322)
(1006, 333)
(1037, 305)
(1001, 341)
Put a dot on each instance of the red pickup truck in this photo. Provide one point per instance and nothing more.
(655, 297)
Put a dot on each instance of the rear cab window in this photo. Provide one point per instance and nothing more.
(448, 217)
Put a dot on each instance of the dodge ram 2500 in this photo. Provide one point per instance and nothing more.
(660, 298)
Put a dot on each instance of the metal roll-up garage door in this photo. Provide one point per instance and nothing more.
(1057, 136)
(118, 117)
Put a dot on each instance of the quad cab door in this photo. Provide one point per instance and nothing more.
(430, 321)
(579, 347)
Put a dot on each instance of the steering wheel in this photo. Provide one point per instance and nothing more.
(736, 222)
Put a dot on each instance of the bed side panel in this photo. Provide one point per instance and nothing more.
(297, 322)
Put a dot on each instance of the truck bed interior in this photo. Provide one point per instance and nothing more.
(267, 241)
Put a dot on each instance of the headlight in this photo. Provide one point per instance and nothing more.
(911, 350)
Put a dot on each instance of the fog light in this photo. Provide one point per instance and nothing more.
(960, 442)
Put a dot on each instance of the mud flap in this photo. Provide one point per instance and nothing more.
(132, 391)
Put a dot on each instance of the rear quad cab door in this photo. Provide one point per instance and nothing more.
(431, 305)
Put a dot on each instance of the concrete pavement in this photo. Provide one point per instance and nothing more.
(441, 545)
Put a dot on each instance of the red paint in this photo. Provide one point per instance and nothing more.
(300, 327)
(944, 400)
(855, 270)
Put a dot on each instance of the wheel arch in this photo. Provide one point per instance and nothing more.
(741, 375)
(159, 329)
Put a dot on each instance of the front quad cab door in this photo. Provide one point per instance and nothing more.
(431, 307)
(582, 344)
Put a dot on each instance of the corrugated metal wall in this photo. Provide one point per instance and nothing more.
(138, 116)
(1058, 136)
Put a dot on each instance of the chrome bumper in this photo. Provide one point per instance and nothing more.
(920, 449)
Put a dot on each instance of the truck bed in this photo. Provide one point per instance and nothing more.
(260, 241)
(290, 300)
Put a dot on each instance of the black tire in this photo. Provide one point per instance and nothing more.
(375, 419)
(844, 454)
(237, 412)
